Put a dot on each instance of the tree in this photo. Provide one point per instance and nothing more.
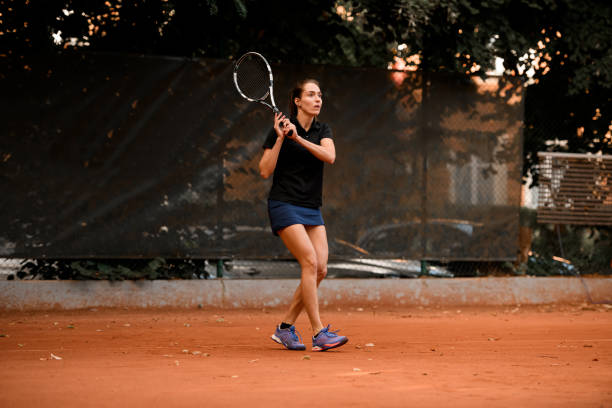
(310, 32)
(562, 49)
(569, 105)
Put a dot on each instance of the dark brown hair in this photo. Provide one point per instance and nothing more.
(296, 92)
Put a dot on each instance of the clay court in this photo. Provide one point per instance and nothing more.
(558, 355)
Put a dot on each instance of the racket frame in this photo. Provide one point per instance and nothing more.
(270, 88)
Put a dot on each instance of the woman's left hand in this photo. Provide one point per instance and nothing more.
(288, 128)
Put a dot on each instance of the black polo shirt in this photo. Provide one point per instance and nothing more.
(298, 176)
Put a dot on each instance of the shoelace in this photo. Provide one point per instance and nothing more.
(330, 333)
(294, 336)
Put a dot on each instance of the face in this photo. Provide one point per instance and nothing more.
(311, 100)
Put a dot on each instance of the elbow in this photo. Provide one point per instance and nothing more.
(331, 159)
(264, 173)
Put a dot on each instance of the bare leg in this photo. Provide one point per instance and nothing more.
(297, 240)
(318, 238)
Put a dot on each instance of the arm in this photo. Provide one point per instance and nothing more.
(326, 152)
(267, 163)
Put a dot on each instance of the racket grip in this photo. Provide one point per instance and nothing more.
(290, 132)
(278, 111)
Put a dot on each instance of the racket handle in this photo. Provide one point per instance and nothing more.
(290, 132)
(278, 111)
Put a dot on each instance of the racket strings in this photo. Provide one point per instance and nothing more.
(253, 78)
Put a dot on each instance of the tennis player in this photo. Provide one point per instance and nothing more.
(295, 152)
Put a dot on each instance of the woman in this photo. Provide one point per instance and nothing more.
(295, 152)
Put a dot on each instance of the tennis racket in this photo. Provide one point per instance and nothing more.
(253, 80)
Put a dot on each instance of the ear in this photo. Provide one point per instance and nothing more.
(296, 100)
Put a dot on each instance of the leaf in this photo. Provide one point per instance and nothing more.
(240, 8)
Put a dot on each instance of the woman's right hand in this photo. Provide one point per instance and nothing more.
(280, 121)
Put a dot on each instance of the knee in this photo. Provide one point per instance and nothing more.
(321, 271)
(309, 264)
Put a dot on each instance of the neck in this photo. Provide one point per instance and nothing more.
(304, 119)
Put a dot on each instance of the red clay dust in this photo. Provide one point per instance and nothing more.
(539, 356)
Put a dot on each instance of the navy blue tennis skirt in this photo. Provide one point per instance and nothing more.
(284, 214)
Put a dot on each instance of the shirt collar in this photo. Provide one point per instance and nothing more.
(316, 125)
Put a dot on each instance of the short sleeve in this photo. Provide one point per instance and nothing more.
(326, 132)
(270, 140)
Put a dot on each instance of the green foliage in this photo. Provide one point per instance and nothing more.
(311, 33)
(588, 248)
(569, 107)
(449, 35)
(113, 269)
(568, 102)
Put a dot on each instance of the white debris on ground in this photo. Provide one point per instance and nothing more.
(9, 266)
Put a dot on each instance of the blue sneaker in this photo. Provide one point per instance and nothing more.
(288, 338)
(326, 340)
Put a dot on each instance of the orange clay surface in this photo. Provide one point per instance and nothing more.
(539, 356)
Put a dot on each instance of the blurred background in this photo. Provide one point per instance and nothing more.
(126, 153)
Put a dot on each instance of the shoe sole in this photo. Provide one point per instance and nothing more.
(331, 346)
(279, 341)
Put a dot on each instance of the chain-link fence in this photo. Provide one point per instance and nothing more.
(115, 156)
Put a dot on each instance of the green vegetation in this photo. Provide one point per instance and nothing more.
(114, 269)
(566, 249)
